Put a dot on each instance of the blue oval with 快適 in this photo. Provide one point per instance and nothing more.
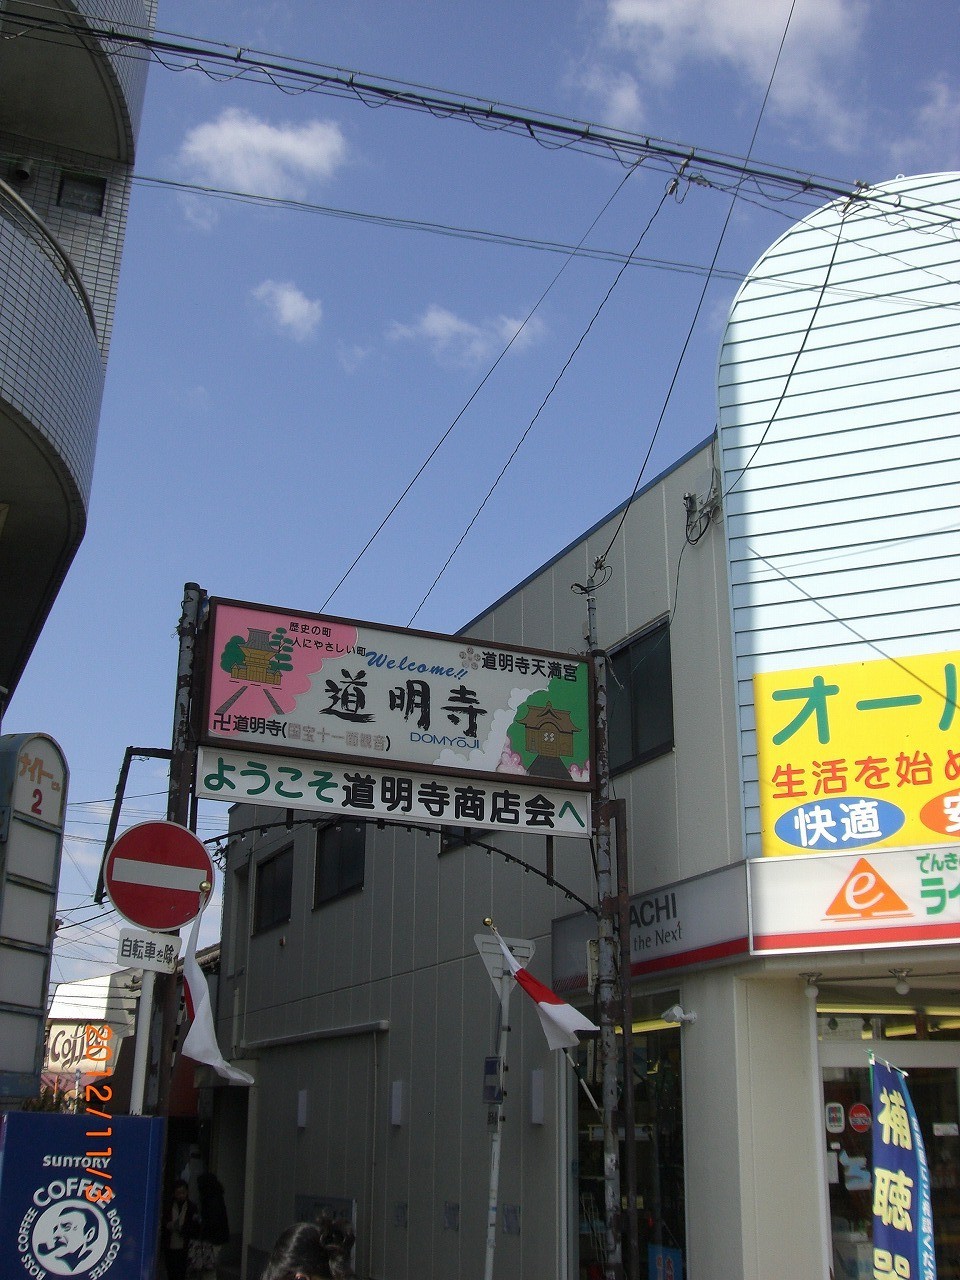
(835, 823)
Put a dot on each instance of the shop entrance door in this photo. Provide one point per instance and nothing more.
(934, 1082)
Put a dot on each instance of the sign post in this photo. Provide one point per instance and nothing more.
(608, 894)
(503, 983)
(158, 876)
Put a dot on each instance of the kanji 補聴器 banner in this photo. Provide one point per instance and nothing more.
(903, 1247)
(859, 755)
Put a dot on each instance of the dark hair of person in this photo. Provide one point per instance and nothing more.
(299, 1251)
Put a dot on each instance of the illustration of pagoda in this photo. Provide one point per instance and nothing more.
(258, 654)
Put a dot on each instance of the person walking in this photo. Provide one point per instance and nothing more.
(180, 1222)
(212, 1231)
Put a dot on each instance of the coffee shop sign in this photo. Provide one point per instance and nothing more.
(79, 1046)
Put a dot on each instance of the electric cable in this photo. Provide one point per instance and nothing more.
(667, 192)
(796, 359)
(142, 795)
(510, 240)
(398, 93)
(843, 622)
(300, 76)
(262, 828)
(393, 222)
(106, 930)
(473, 395)
(704, 516)
(703, 291)
(73, 924)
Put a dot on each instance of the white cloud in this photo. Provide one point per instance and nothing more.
(351, 357)
(241, 152)
(460, 341)
(194, 399)
(933, 140)
(662, 37)
(624, 107)
(198, 210)
(290, 309)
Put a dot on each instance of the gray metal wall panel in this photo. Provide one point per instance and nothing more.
(671, 836)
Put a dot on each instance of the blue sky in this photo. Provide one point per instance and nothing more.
(277, 376)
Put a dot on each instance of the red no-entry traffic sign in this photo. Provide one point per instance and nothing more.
(158, 875)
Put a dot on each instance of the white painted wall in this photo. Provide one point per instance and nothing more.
(839, 408)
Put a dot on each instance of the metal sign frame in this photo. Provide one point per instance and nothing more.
(393, 694)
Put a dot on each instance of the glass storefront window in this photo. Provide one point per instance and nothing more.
(659, 1153)
(848, 1133)
(922, 1039)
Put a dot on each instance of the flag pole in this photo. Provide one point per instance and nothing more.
(560, 1021)
(496, 1137)
(583, 1084)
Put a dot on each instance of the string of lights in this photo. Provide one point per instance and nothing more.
(224, 841)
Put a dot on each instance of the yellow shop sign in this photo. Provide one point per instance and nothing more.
(859, 755)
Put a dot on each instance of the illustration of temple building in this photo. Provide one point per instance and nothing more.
(549, 735)
(258, 654)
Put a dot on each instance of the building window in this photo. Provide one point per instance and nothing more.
(339, 863)
(274, 893)
(659, 1152)
(82, 193)
(640, 699)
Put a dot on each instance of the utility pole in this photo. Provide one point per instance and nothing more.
(182, 758)
(606, 963)
(631, 1229)
(182, 749)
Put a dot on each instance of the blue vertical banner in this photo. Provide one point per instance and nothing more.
(902, 1209)
(79, 1195)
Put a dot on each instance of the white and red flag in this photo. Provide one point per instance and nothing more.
(560, 1021)
(200, 1042)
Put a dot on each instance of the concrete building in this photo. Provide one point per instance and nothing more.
(69, 117)
(781, 617)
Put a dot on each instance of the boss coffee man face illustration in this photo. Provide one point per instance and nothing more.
(73, 1239)
(79, 1194)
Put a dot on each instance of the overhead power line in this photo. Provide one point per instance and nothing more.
(700, 302)
(543, 403)
(295, 76)
(438, 228)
